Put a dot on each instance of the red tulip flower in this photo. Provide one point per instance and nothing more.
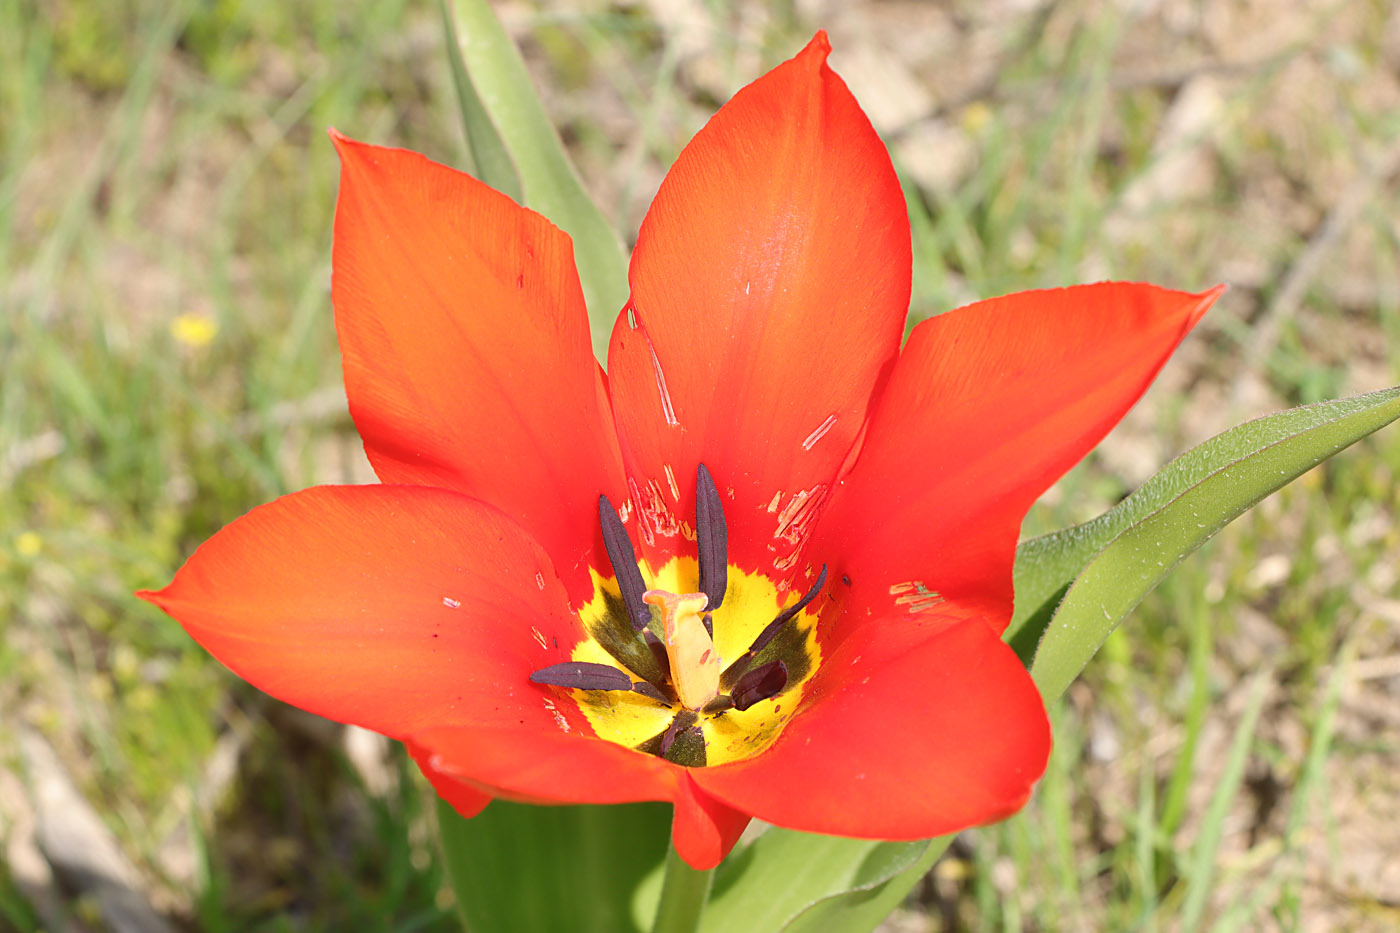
(760, 568)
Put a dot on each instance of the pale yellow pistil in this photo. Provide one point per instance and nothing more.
(691, 650)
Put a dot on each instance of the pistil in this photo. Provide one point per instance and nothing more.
(689, 646)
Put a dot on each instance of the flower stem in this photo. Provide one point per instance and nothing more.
(683, 896)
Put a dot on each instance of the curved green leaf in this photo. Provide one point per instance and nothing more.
(496, 76)
(1260, 457)
(1136, 544)
(863, 908)
(491, 161)
(1046, 566)
(571, 869)
(763, 886)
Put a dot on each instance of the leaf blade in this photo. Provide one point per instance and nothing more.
(1237, 474)
(548, 181)
(575, 868)
(757, 888)
(491, 161)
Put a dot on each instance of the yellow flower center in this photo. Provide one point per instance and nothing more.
(751, 603)
(720, 657)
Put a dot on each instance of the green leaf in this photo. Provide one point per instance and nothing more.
(1173, 514)
(500, 85)
(491, 161)
(1205, 857)
(764, 886)
(572, 869)
(863, 908)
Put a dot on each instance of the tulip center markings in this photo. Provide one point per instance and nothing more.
(696, 661)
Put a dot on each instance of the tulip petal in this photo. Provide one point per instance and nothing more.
(466, 349)
(903, 735)
(987, 406)
(547, 767)
(464, 797)
(575, 768)
(769, 287)
(389, 607)
(703, 829)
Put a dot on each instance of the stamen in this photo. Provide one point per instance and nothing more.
(582, 675)
(624, 563)
(651, 691)
(683, 741)
(684, 720)
(741, 663)
(760, 684)
(711, 542)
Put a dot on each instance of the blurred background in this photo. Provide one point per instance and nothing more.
(167, 361)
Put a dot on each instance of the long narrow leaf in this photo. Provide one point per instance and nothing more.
(1046, 566)
(497, 74)
(763, 887)
(491, 161)
(863, 908)
(1203, 857)
(1262, 456)
(567, 869)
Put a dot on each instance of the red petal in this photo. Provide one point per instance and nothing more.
(466, 799)
(466, 349)
(573, 768)
(904, 736)
(986, 408)
(703, 829)
(551, 766)
(769, 287)
(390, 607)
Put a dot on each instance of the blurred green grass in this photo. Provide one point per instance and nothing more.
(165, 163)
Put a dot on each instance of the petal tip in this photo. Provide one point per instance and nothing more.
(1205, 300)
(819, 46)
(154, 597)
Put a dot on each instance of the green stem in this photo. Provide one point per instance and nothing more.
(684, 894)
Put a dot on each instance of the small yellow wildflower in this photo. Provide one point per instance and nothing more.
(28, 544)
(194, 330)
(975, 117)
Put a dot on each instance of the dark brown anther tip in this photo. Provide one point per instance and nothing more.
(711, 541)
(771, 630)
(623, 558)
(650, 691)
(582, 675)
(719, 704)
(684, 720)
(759, 684)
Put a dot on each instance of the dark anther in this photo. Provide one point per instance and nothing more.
(801, 604)
(582, 675)
(688, 749)
(760, 684)
(711, 542)
(624, 562)
(683, 721)
(771, 631)
(650, 690)
(719, 704)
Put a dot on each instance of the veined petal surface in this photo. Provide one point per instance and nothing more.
(769, 287)
(987, 406)
(466, 349)
(904, 735)
(390, 607)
